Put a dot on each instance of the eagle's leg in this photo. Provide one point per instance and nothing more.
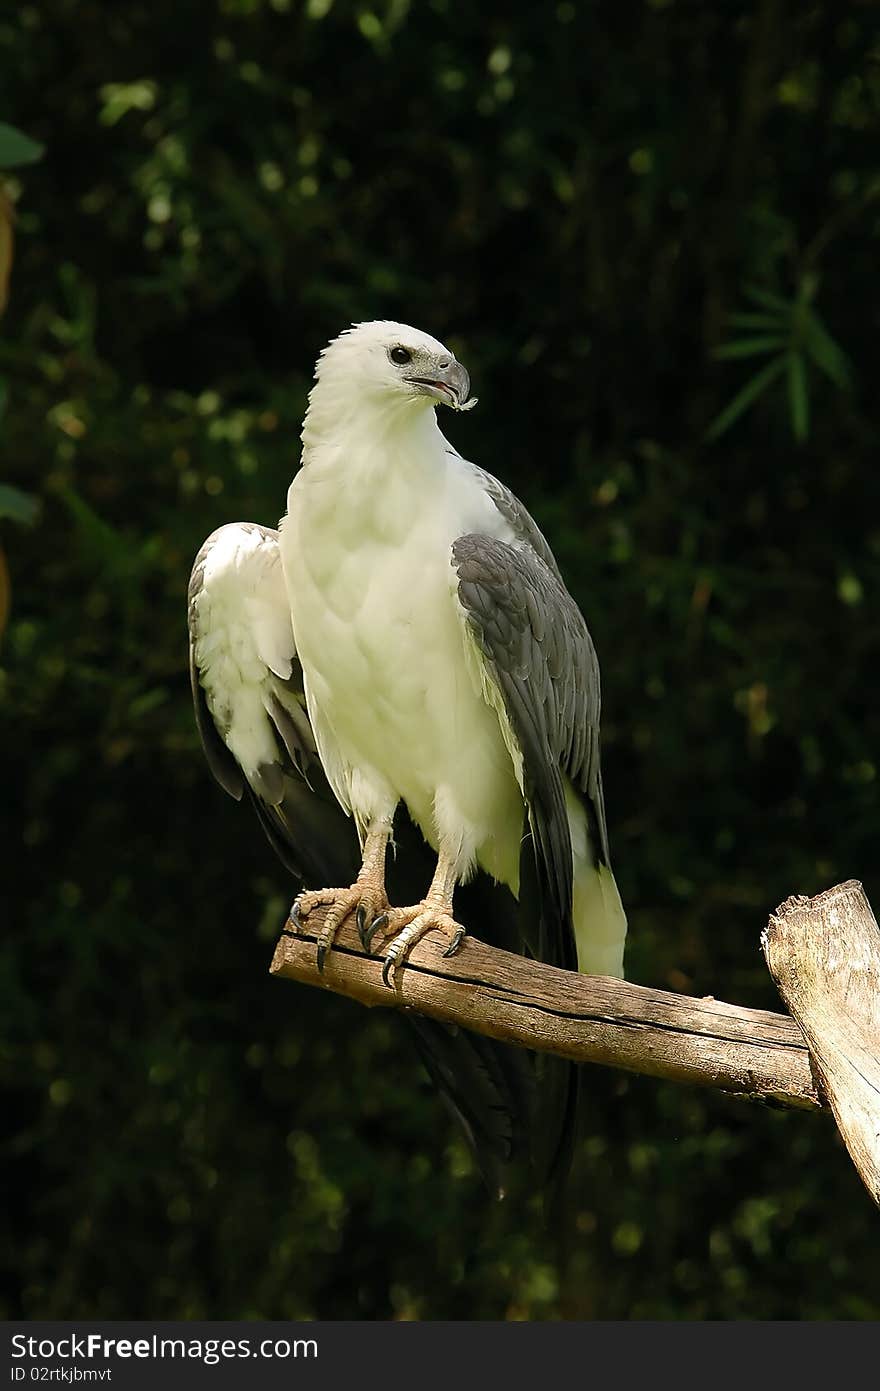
(434, 913)
(366, 897)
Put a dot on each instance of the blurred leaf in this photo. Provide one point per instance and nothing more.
(826, 354)
(5, 593)
(745, 398)
(797, 328)
(119, 98)
(16, 148)
(759, 295)
(769, 321)
(102, 544)
(148, 702)
(749, 347)
(850, 589)
(17, 506)
(797, 396)
(7, 246)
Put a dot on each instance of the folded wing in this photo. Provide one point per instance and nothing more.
(249, 703)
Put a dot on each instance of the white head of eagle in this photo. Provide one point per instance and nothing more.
(389, 366)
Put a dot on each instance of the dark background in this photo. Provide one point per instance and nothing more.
(576, 197)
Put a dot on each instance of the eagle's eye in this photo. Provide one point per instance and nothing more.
(400, 355)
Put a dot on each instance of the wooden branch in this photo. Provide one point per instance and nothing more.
(824, 954)
(591, 1019)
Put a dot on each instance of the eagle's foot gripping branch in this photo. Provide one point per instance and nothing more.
(410, 925)
(367, 900)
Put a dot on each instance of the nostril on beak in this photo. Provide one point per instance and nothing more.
(444, 364)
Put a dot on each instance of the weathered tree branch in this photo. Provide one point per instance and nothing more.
(823, 953)
(591, 1019)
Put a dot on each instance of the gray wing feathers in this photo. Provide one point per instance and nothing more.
(220, 760)
(540, 655)
(519, 518)
(534, 635)
(515, 513)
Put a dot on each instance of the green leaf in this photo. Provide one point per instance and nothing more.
(146, 703)
(798, 398)
(849, 589)
(16, 148)
(773, 321)
(750, 393)
(18, 506)
(748, 347)
(807, 288)
(826, 354)
(104, 546)
(758, 295)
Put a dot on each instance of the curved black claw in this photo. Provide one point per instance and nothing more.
(365, 933)
(387, 968)
(295, 917)
(456, 942)
(377, 925)
(322, 956)
(360, 918)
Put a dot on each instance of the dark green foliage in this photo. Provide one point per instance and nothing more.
(16, 148)
(795, 335)
(593, 204)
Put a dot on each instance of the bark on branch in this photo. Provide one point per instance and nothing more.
(591, 1019)
(823, 953)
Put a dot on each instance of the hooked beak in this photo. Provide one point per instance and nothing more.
(449, 385)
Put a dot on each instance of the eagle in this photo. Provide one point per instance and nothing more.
(402, 654)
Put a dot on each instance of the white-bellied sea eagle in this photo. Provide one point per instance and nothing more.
(406, 641)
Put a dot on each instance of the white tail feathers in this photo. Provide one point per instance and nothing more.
(599, 919)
